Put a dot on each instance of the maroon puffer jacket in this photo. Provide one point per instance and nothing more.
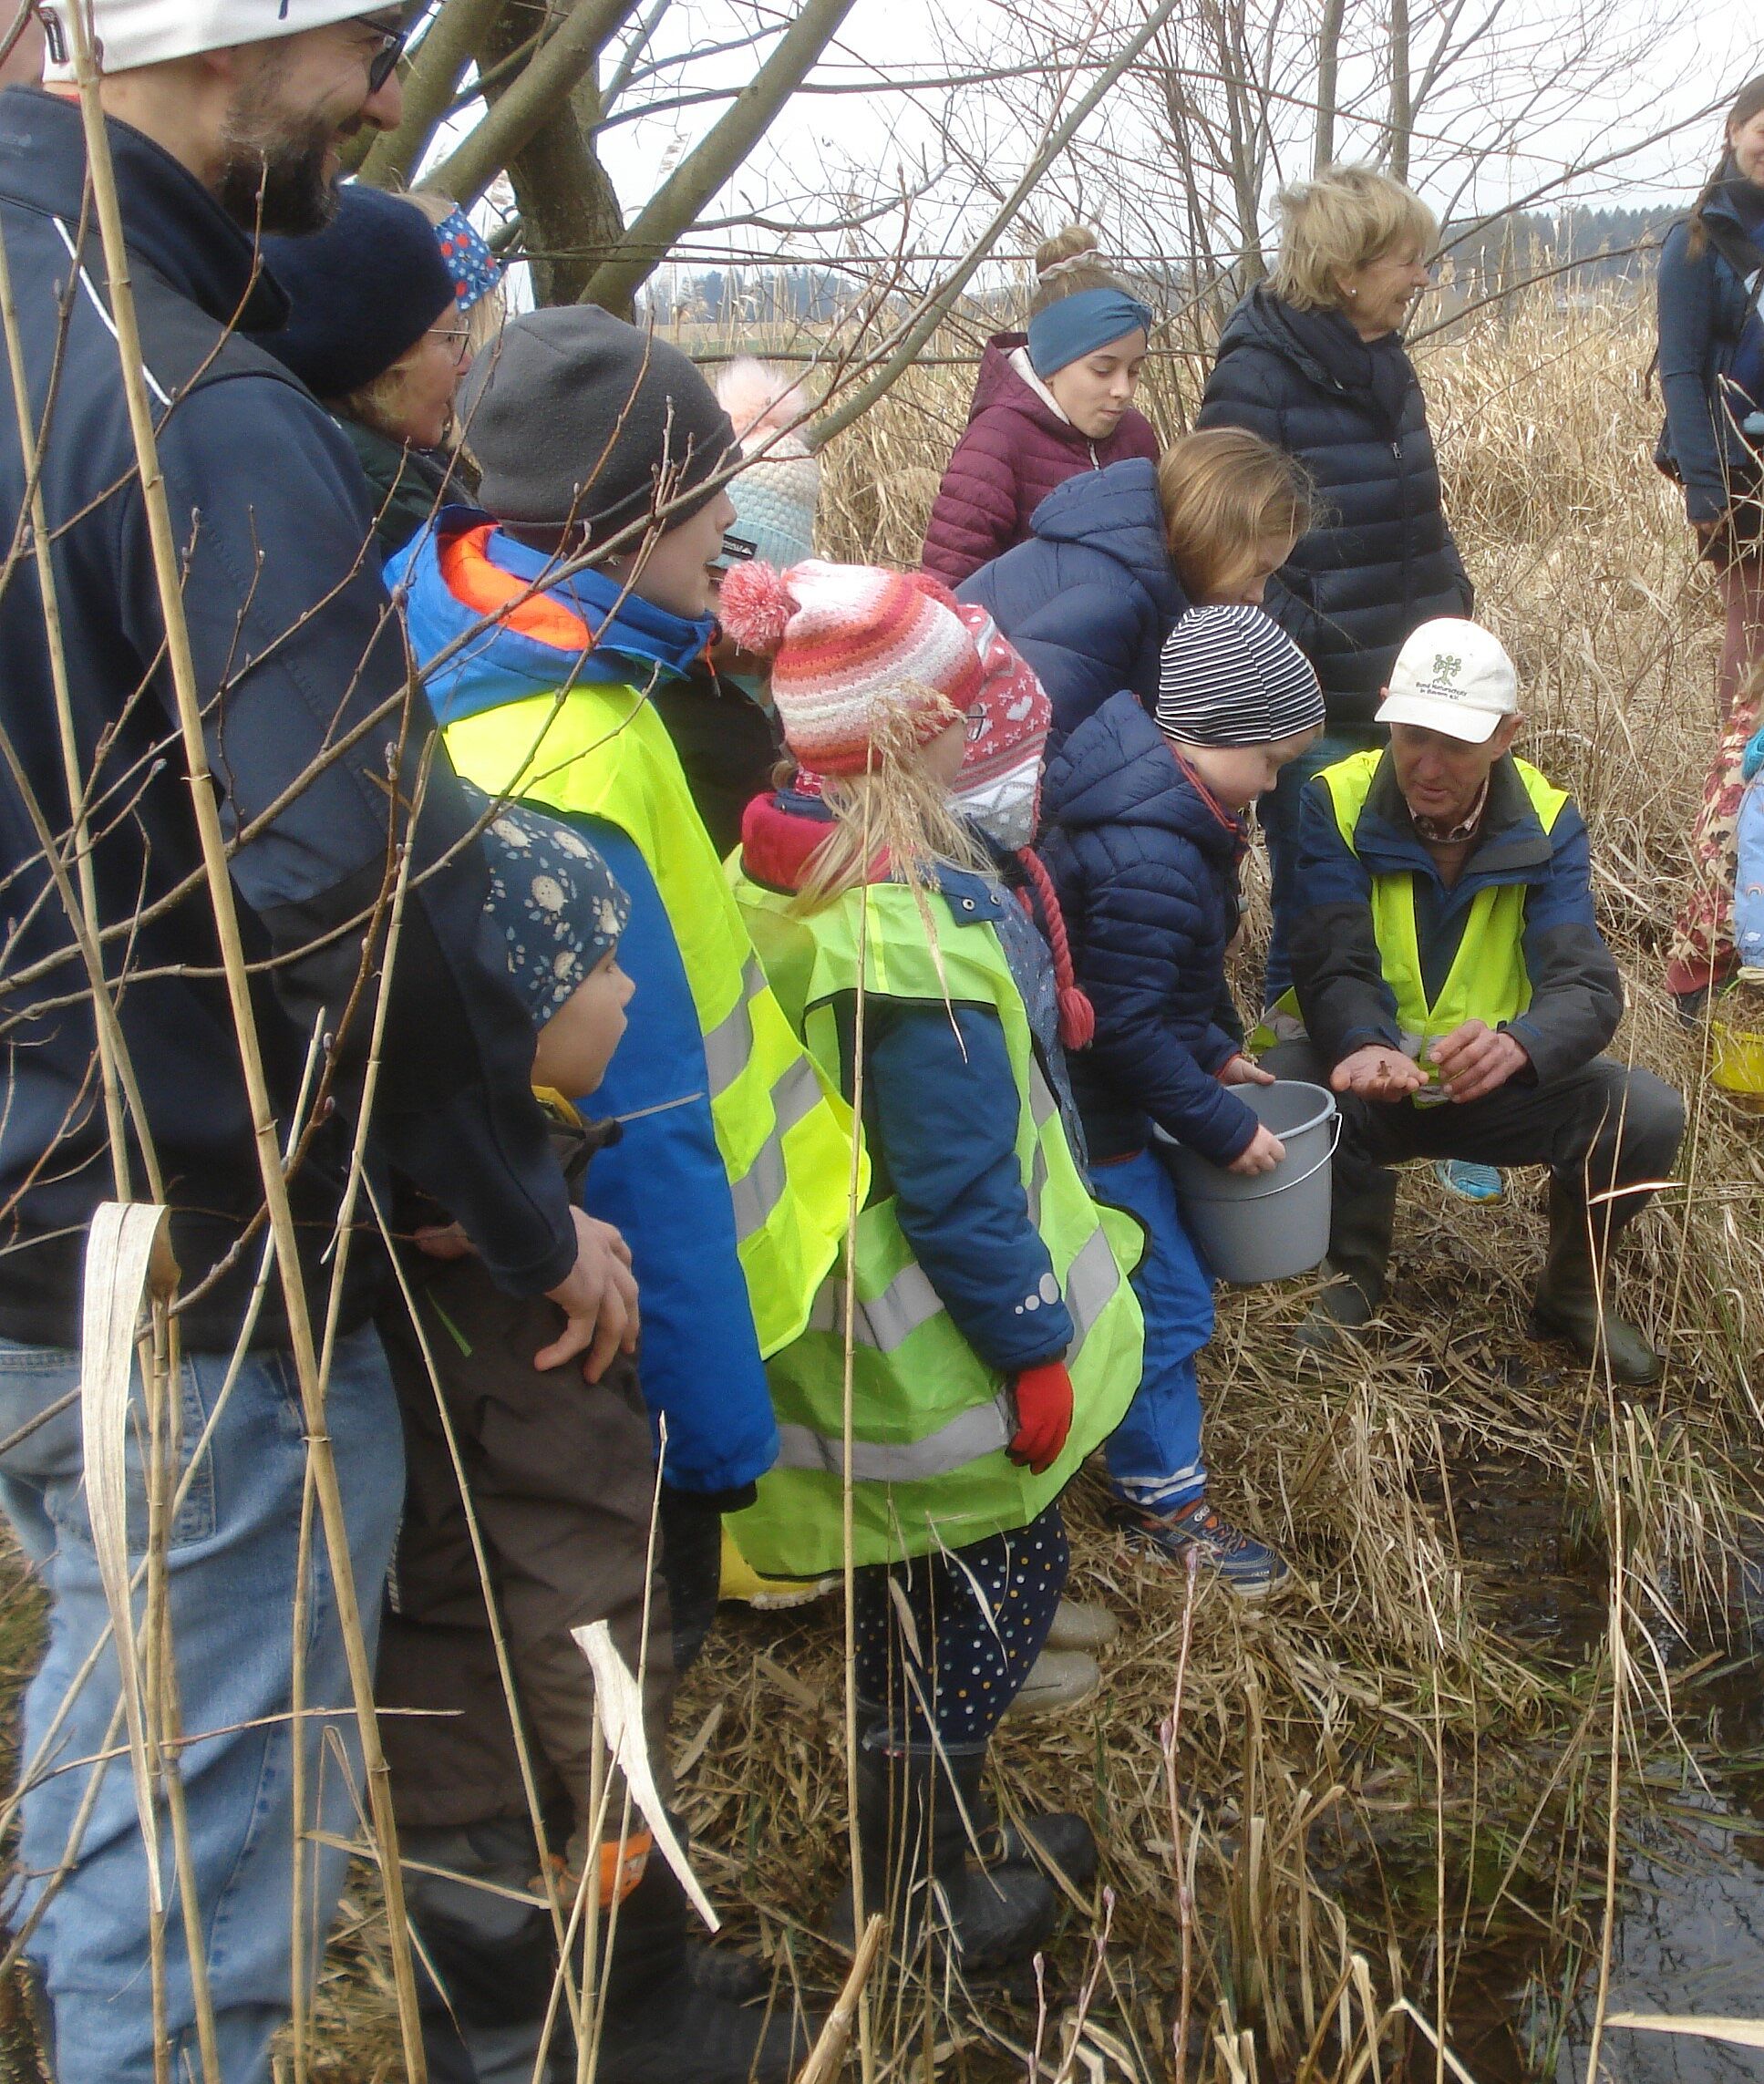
(1014, 450)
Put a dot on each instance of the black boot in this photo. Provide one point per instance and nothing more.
(663, 2025)
(488, 1960)
(1569, 1304)
(1361, 1221)
(915, 1805)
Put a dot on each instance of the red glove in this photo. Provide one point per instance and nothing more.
(1044, 1415)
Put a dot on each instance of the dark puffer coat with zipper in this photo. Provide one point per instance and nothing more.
(1703, 305)
(1145, 864)
(1016, 450)
(1090, 598)
(1380, 559)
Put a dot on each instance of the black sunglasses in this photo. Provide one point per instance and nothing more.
(383, 63)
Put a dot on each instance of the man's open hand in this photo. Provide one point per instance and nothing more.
(599, 1298)
(1378, 1073)
(1475, 1059)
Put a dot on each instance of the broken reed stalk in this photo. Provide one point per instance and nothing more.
(828, 2055)
(182, 666)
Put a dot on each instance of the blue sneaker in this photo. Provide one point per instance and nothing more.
(1469, 1183)
(1249, 1567)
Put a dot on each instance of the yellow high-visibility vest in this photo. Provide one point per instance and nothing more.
(930, 1420)
(782, 1130)
(1488, 980)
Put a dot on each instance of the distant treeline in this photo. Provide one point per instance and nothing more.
(1610, 242)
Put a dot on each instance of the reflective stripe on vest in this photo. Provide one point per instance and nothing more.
(930, 1421)
(783, 1133)
(1488, 980)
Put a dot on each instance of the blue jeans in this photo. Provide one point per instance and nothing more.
(1154, 1454)
(1277, 814)
(230, 1590)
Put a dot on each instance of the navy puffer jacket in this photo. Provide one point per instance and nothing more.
(1703, 307)
(1090, 598)
(1380, 559)
(1146, 868)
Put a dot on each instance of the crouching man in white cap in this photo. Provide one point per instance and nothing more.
(223, 116)
(1451, 986)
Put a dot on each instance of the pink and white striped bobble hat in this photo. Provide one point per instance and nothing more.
(856, 652)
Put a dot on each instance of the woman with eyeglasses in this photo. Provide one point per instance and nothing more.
(379, 331)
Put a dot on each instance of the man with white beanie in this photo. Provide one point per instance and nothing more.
(1450, 983)
(225, 117)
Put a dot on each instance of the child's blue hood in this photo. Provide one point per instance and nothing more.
(463, 569)
(1119, 769)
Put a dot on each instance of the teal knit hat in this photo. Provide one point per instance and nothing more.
(775, 495)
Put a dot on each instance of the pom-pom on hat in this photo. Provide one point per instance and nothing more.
(777, 495)
(858, 657)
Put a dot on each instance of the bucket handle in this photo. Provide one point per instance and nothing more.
(1309, 1174)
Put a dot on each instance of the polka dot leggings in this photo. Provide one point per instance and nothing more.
(978, 1617)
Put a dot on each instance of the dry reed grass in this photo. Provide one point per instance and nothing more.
(1399, 1769)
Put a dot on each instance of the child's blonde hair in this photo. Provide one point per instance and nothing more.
(897, 809)
(1345, 219)
(1068, 263)
(1225, 492)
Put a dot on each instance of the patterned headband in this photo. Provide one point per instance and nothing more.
(475, 270)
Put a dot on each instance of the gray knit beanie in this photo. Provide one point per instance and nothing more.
(574, 416)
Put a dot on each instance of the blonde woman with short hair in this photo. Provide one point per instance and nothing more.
(1312, 361)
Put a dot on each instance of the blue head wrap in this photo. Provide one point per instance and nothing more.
(1079, 324)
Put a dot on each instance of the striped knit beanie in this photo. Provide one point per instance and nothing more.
(1231, 677)
(859, 656)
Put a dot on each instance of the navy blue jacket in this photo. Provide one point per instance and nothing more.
(296, 650)
(1702, 305)
(1146, 868)
(1576, 991)
(1090, 598)
(1379, 559)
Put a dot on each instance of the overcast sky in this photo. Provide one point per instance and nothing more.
(1686, 54)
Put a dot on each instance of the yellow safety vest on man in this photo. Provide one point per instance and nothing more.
(930, 1421)
(1488, 980)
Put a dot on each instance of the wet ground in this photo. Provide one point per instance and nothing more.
(1689, 1936)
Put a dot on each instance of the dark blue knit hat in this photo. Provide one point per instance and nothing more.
(557, 906)
(362, 291)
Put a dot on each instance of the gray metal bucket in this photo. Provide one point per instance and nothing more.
(1277, 1224)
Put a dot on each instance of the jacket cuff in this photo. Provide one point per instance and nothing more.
(1366, 1039)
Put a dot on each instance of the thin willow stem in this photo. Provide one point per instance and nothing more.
(205, 806)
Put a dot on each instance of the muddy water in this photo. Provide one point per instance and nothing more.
(1689, 1936)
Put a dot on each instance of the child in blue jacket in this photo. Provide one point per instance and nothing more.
(1145, 830)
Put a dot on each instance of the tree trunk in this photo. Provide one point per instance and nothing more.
(1402, 115)
(671, 211)
(1328, 66)
(430, 85)
(570, 215)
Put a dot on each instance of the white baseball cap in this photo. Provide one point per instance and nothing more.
(1453, 676)
(132, 33)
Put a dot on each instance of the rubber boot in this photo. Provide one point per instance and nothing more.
(1568, 1304)
(662, 2024)
(1056, 1841)
(915, 1804)
(1360, 1223)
